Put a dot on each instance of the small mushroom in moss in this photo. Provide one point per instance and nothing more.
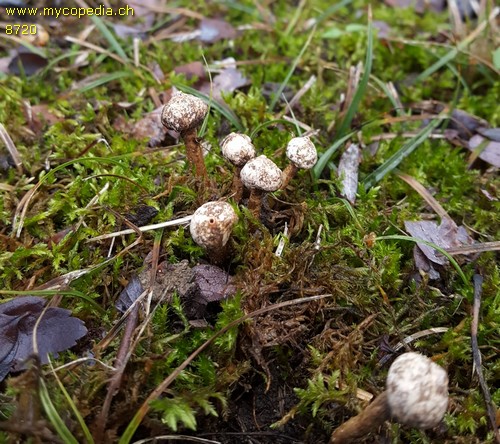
(184, 113)
(416, 395)
(238, 149)
(211, 227)
(302, 154)
(261, 176)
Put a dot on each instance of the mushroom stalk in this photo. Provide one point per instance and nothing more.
(255, 202)
(288, 174)
(368, 420)
(237, 185)
(194, 153)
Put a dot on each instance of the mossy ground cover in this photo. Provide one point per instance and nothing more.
(285, 373)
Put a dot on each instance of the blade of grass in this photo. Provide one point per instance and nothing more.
(76, 412)
(460, 47)
(108, 35)
(42, 293)
(393, 161)
(332, 10)
(54, 417)
(363, 83)
(106, 78)
(269, 123)
(227, 113)
(291, 71)
(430, 244)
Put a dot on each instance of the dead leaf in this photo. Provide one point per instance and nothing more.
(150, 127)
(27, 62)
(213, 30)
(228, 80)
(190, 70)
(57, 331)
(489, 149)
(348, 172)
(129, 294)
(446, 235)
(196, 287)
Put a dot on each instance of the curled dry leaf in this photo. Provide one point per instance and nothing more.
(446, 235)
(57, 331)
(348, 172)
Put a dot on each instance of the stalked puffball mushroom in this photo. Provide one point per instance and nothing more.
(302, 154)
(417, 391)
(416, 395)
(238, 149)
(260, 175)
(184, 113)
(211, 227)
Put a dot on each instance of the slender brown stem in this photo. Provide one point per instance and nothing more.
(237, 187)
(255, 202)
(194, 154)
(288, 173)
(372, 417)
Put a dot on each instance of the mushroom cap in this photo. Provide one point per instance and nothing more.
(212, 223)
(183, 112)
(417, 391)
(237, 148)
(302, 152)
(262, 174)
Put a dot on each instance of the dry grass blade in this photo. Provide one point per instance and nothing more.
(11, 147)
(169, 223)
(410, 339)
(475, 248)
(428, 197)
(476, 355)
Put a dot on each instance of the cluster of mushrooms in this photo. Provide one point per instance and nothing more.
(212, 223)
(417, 388)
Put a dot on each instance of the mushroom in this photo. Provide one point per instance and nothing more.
(184, 113)
(416, 395)
(302, 154)
(260, 175)
(211, 227)
(238, 149)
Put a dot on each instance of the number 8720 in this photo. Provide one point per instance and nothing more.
(24, 29)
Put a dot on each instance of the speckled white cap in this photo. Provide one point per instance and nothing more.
(212, 223)
(183, 112)
(262, 174)
(417, 391)
(302, 152)
(237, 148)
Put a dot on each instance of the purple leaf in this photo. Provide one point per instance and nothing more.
(56, 331)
